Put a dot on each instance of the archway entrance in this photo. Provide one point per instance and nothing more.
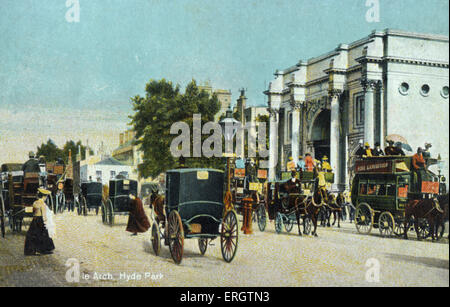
(320, 134)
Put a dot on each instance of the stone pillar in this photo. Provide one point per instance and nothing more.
(369, 111)
(273, 142)
(335, 136)
(295, 141)
(382, 106)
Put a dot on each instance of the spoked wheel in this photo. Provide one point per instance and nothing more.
(104, 212)
(386, 224)
(110, 214)
(176, 236)
(307, 225)
(262, 221)
(2, 217)
(83, 206)
(278, 223)
(288, 224)
(156, 239)
(363, 218)
(229, 236)
(424, 229)
(202, 245)
(399, 228)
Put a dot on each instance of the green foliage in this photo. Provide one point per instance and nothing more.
(51, 152)
(155, 113)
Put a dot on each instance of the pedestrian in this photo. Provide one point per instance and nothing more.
(291, 165)
(301, 164)
(367, 150)
(38, 240)
(326, 165)
(309, 162)
(418, 163)
(137, 219)
(377, 151)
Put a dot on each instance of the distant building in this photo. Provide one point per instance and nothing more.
(128, 153)
(103, 170)
(224, 97)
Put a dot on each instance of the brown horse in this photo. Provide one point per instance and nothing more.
(335, 205)
(440, 224)
(157, 203)
(428, 209)
(310, 207)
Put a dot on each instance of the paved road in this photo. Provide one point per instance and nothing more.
(336, 258)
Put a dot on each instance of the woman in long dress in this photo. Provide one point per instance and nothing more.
(137, 219)
(38, 240)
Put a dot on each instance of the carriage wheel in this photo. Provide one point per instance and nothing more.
(156, 239)
(2, 216)
(424, 229)
(363, 218)
(399, 228)
(229, 236)
(176, 236)
(386, 224)
(202, 245)
(110, 214)
(262, 221)
(278, 222)
(307, 225)
(103, 212)
(288, 224)
(84, 206)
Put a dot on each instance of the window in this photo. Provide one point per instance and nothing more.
(425, 90)
(390, 189)
(359, 110)
(372, 189)
(363, 189)
(444, 92)
(98, 174)
(404, 88)
(113, 174)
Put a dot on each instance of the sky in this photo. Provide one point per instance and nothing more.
(63, 80)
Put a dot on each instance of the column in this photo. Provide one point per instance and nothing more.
(295, 141)
(335, 136)
(382, 127)
(369, 113)
(273, 142)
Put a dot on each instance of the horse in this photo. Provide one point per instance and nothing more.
(157, 203)
(335, 206)
(423, 209)
(443, 203)
(310, 206)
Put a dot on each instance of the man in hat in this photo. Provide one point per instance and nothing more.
(360, 151)
(301, 164)
(418, 163)
(291, 165)
(309, 162)
(326, 165)
(32, 165)
(377, 151)
(426, 152)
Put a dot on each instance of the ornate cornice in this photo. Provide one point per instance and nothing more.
(296, 105)
(371, 85)
(335, 93)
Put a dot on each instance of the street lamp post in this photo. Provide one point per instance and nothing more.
(229, 129)
(440, 165)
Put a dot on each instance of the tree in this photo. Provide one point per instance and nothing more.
(74, 147)
(50, 151)
(155, 113)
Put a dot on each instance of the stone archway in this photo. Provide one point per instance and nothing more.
(319, 134)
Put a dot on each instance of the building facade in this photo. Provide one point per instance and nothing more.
(224, 97)
(390, 82)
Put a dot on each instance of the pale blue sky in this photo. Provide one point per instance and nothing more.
(118, 45)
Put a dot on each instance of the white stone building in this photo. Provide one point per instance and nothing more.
(390, 82)
(102, 169)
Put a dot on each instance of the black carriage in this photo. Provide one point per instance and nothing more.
(90, 198)
(382, 187)
(19, 192)
(9, 171)
(194, 209)
(118, 202)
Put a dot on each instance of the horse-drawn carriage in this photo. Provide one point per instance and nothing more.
(250, 191)
(19, 192)
(381, 190)
(118, 202)
(194, 208)
(90, 198)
